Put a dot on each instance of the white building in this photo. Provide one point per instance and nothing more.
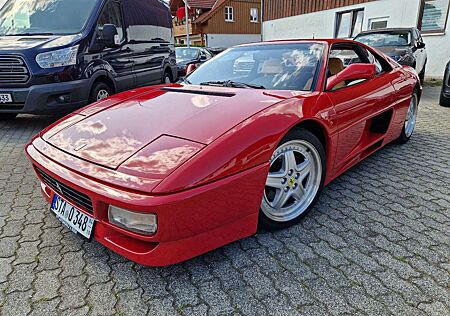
(290, 19)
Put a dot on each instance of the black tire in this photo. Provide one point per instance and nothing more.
(403, 139)
(7, 116)
(444, 101)
(422, 74)
(96, 89)
(167, 78)
(265, 222)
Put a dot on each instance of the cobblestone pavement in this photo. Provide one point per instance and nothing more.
(378, 243)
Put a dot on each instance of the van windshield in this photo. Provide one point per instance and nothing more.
(45, 17)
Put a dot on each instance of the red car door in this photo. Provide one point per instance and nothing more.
(357, 106)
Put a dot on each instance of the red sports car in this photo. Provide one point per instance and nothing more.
(162, 174)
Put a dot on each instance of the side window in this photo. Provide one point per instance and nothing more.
(111, 14)
(147, 22)
(341, 58)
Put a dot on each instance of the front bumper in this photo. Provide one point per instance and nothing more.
(190, 223)
(43, 99)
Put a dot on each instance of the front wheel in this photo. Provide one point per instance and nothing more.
(99, 92)
(410, 121)
(294, 182)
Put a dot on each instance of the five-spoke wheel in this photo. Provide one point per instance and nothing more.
(294, 180)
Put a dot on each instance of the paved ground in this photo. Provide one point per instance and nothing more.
(378, 243)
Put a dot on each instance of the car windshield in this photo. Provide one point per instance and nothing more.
(385, 39)
(270, 66)
(185, 54)
(45, 17)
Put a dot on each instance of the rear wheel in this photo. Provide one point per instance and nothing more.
(7, 116)
(294, 182)
(167, 77)
(410, 121)
(99, 92)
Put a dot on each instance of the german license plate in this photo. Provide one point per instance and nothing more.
(6, 98)
(77, 221)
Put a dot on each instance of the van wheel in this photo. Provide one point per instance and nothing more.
(99, 92)
(7, 116)
(167, 77)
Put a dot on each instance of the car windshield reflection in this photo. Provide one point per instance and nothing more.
(273, 67)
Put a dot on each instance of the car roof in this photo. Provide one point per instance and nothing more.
(397, 29)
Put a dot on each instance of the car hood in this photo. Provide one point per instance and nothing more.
(109, 133)
(19, 43)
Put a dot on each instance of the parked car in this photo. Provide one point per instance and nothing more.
(216, 50)
(60, 55)
(445, 94)
(192, 55)
(404, 45)
(199, 164)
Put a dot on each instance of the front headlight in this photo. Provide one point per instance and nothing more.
(58, 58)
(141, 223)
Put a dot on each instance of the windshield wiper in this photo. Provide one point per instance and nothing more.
(232, 84)
(30, 34)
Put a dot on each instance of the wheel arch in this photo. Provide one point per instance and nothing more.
(103, 77)
(314, 127)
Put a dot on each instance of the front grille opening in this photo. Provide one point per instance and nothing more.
(77, 198)
(13, 70)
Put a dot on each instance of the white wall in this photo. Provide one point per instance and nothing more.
(228, 40)
(399, 13)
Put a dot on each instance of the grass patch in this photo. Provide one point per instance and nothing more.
(432, 82)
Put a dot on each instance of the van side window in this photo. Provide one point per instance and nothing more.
(111, 14)
(147, 22)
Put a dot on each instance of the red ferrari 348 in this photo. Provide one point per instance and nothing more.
(162, 174)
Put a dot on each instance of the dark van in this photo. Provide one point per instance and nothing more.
(59, 55)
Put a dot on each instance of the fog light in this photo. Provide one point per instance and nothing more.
(142, 223)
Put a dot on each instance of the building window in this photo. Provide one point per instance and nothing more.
(349, 23)
(229, 14)
(433, 16)
(378, 23)
(254, 15)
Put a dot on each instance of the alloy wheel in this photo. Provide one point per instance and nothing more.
(102, 94)
(293, 181)
(411, 117)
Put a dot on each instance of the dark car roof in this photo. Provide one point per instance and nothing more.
(398, 29)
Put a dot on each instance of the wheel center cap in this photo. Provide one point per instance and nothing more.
(291, 182)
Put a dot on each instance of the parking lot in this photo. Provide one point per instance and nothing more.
(377, 243)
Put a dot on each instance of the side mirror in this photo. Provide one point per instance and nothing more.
(190, 69)
(203, 58)
(420, 45)
(351, 73)
(110, 35)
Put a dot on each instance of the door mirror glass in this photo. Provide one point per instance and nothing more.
(353, 72)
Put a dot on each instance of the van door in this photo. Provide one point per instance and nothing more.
(120, 58)
(148, 40)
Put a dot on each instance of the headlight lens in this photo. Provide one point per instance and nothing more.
(58, 58)
(141, 223)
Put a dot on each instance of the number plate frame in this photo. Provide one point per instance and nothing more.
(62, 209)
